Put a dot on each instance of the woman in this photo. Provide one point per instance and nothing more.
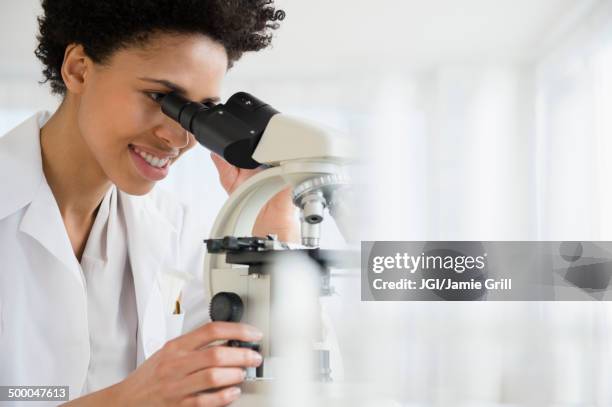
(85, 240)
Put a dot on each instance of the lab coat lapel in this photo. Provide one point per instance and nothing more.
(21, 173)
(53, 237)
(152, 246)
(21, 164)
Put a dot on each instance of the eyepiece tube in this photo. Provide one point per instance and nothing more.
(232, 130)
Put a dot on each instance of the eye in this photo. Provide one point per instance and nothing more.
(156, 96)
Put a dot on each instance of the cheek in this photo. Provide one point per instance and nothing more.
(110, 120)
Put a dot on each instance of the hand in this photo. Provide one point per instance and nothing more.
(276, 217)
(188, 371)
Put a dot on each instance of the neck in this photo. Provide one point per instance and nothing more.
(73, 174)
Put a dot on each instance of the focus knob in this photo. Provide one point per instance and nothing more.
(226, 306)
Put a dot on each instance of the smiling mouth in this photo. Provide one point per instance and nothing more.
(151, 159)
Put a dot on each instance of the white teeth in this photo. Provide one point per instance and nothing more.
(151, 159)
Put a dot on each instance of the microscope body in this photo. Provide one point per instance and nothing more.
(312, 161)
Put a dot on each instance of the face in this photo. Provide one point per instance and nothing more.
(122, 125)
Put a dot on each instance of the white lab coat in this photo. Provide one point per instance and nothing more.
(44, 338)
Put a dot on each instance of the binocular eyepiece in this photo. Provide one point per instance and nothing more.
(232, 130)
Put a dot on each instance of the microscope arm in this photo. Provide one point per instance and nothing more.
(238, 214)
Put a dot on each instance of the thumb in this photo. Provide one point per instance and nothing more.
(228, 174)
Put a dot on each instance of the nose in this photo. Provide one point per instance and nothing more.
(172, 134)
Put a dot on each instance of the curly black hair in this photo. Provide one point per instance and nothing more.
(104, 26)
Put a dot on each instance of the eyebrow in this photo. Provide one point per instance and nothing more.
(177, 88)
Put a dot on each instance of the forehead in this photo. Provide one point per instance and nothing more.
(192, 61)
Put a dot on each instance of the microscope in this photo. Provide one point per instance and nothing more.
(291, 152)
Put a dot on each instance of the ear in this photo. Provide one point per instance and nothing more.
(75, 68)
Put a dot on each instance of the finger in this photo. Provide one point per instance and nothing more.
(211, 378)
(217, 160)
(215, 356)
(221, 165)
(215, 331)
(214, 399)
(228, 174)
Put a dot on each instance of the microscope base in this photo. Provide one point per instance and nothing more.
(270, 393)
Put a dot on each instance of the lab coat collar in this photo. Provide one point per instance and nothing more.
(21, 164)
(42, 220)
(105, 224)
(21, 172)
